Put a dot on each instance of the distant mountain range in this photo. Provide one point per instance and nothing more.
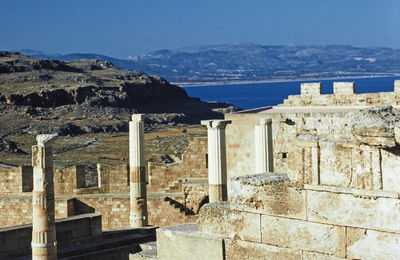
(253, 62)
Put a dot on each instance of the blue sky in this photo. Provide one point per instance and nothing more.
(131, 27)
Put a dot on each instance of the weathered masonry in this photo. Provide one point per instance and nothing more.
(175, 191)
(317, 177)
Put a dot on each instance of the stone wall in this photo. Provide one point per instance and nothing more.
(16, 180)
(114, 208)
(270, 215)
(193, 165)
(67, 181)
(17, 210)
(343, 96)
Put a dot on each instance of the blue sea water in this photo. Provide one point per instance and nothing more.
(252, 95)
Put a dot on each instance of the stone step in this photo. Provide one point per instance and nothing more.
(184, 242)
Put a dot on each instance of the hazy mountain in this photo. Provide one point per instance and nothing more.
(231, 62)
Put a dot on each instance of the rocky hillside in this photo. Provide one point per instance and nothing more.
(88, 96)
(235, 62)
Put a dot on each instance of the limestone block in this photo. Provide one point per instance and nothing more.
(371, 244)
(343, 88)
(268, 193)
(311, 88)
(391, 170)
(184, 242)
(354, 210)
(303, 235)
(238, 249)
(335, 165)
(219, 219)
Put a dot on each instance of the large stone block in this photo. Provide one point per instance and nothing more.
(237, 249)
(268, 193)
(219, 219)
(371, 244)
(303, 235)
(354, 210)
(186, 242)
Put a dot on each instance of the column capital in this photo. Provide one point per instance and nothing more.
(216, 124)
(45, 139)
(265, 120)
(138, 117)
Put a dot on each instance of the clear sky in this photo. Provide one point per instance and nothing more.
(121, 28)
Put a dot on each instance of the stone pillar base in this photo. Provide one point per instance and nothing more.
(217, 192)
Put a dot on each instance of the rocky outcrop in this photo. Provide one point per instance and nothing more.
(89, 96)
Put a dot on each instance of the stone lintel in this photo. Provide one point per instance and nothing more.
(216, 124)
(307, 143)
(138, 117)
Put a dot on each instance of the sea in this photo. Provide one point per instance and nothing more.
(260, 94)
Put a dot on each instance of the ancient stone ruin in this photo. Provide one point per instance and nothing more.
(317, 177)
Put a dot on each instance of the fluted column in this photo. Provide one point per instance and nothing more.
(263, 146)
(44, 243)
(137, 173)
(216, 159)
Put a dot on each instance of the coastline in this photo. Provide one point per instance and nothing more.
(239, 82)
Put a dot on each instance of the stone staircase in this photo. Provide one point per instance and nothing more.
(179, 207)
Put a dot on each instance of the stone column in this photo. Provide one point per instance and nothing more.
(44, 243)
(137, 173)
(263, 146)
(216, 159)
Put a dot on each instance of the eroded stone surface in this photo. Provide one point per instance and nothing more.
(371, 244)
(219, 219)
(237, 249)
(303, 235)
(352, 210)
(375, 126)
(268, 193)
(186, 242)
